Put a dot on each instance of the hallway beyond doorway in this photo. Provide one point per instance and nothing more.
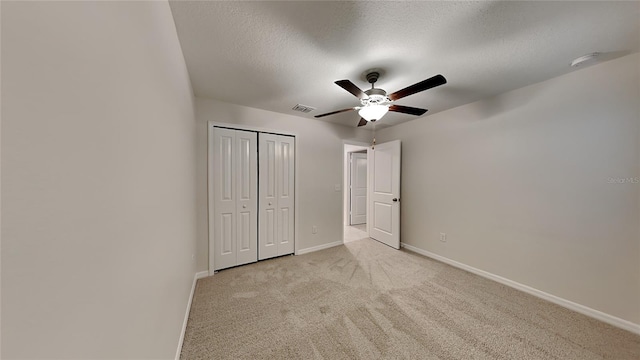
(355, 232)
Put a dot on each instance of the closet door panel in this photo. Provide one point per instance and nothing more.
(285, 194)
(224, 194)
(247, 196)
(227, 235)
(267, 218)
(270, 232)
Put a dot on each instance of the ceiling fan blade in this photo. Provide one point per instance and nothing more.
(421, 86)
(407, 110)
(362, 122)
(352, 88)
(334, 112)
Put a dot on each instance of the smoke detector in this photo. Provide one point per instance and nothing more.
(583, 60)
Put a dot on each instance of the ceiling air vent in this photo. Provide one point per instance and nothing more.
(303, 108)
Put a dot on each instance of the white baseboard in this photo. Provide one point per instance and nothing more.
(319, 247)
(202, 274)
(198, 275)
(596, 314)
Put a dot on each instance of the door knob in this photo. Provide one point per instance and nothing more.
(269, 204)
(395, 200)
(244, 206)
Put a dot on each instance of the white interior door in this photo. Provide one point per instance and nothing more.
(286, 181)
(384, 192)
(224, 195)
(267, 245)
(358, 189)
(235, 197)
(276, 182)
(247, 197)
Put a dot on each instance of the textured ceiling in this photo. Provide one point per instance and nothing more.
(274, 55)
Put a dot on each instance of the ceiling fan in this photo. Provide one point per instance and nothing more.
(375, 102)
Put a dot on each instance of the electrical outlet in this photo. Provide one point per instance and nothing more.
(443, 237)
(314, 229)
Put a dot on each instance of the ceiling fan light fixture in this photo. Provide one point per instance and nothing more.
(373, 112)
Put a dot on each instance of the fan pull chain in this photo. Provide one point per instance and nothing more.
(373, 142)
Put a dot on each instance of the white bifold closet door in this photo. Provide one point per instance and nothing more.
(235, 193)
(276, 217)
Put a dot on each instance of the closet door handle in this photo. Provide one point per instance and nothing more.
(244, 206)
(269, 204)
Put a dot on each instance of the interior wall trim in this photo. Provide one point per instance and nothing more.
(258, 129)
(317, 248)
(596, 314)
(196, 276)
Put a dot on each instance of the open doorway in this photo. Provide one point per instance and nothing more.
(355, 194)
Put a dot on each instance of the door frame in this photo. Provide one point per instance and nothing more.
(345, 181)
(353, 154)
(210, 153)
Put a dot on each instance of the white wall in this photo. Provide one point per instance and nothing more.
(98, 181)
(519, 183)
(320, 155)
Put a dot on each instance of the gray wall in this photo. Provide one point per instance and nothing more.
(520, 183)
(320, 160)
(98, 181)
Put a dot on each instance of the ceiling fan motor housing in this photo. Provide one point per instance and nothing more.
(375, 96)
(372, 77)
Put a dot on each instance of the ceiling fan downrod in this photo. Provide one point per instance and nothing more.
(372, 77)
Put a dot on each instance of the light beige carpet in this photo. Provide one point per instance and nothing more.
(365, 300)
